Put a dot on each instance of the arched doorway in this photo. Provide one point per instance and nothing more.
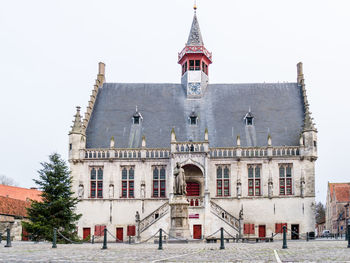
(194, 184)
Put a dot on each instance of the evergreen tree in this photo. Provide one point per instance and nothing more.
(57, 208)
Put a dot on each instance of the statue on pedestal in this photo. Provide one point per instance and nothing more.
(179, 225)
(179, 180)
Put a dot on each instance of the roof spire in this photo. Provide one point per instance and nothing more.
(77, 127)
(195, 37)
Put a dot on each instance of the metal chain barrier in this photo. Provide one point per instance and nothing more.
(117, 239)
(229, 234)
(298, 234)
(141, 242)
(67, 239)
(212, 234)
(167, 234)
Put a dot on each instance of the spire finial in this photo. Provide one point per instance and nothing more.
(77, 125)
(195, 6)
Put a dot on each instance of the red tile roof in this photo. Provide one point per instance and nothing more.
(13, 207)
(20, 193)
(342, 191)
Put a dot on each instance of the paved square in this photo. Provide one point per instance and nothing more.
(298, 251)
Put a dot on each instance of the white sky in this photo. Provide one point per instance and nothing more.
(49, 52)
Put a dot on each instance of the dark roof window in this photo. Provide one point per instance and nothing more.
(249, 118)
(137, 117)
(193, 118)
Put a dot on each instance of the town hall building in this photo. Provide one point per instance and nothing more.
(248, 152)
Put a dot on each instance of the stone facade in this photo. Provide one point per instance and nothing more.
(220, 174)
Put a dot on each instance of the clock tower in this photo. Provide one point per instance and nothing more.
(195, 60)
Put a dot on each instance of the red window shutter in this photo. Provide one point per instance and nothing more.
(97, 230)
(278, 228)
(252, 229)
(131, 231)
(246, 229)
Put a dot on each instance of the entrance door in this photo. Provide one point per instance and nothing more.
(295, 231)
(262, 231)
(119, 234)
(86, 233)
(197, 231)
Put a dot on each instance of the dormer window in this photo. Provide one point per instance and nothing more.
(193, 118)
(137, 117)
(249, 119)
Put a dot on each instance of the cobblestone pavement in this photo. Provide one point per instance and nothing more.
(298, 251)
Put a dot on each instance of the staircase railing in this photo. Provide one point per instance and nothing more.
(225, 216)
(153, 217)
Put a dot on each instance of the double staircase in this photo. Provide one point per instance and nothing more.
(153, 217)
(225, 216)
(217, 210)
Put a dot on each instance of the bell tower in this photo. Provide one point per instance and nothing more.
(195, 60)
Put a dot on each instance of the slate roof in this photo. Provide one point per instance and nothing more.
(20, 193)
(195, 36)
(13, 207)
(277, 109)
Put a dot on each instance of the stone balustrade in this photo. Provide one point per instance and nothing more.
(195, 201)
(97, 154)
(184, 147)
(157, 153)
(187, 147)
(254, 151)
(153, 217)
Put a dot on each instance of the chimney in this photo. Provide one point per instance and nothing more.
(101, 68)
(300, 73)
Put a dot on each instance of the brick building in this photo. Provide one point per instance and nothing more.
(337, 207)
(13, 204)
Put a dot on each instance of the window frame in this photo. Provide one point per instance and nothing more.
(128, 182)
(157, 190)
(254, 179)
(223, 180)
(285, 178)
(96, 182)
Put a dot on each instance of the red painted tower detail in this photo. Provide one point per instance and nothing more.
(195, 60)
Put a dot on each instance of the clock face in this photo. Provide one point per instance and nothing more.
(194, 89)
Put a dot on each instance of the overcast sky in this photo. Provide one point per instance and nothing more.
(49, 51)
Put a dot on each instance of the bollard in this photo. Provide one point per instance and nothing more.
(222, 245)
(0, 237)
(104, 239)
(8, 238)
(284, 237)
(93, 239)
(307, 236)
(160, 240)
(54, 240)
